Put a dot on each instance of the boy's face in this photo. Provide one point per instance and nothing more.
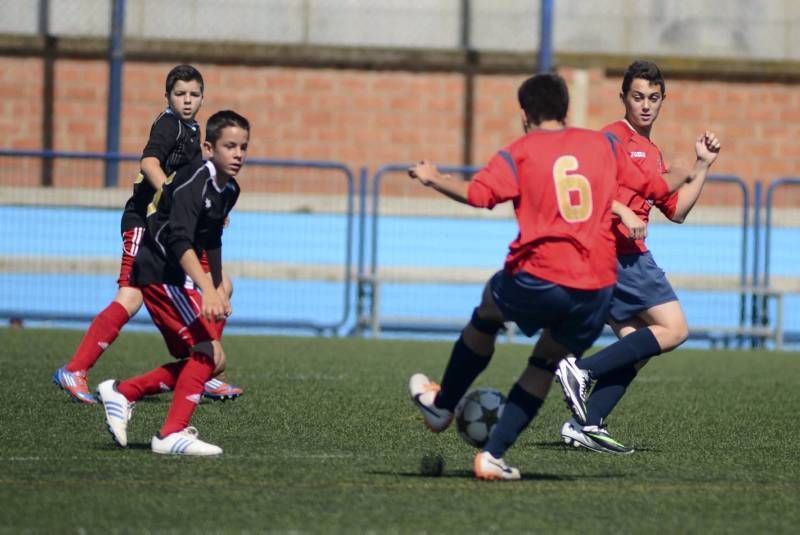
(185, 99)
(229, 151)
(642, 103)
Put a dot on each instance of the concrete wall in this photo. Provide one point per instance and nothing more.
(744, 29)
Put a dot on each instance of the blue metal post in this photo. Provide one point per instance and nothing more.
(755, 301)
(545, 63)
(114, 107)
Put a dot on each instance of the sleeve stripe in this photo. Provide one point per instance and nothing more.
(510, 161)
(612, 140)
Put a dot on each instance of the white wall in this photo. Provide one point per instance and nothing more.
(749, 29)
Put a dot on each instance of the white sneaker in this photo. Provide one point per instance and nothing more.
(423, 391)
(488, 467)
(575, 384)
(118, 411)
(183, 442)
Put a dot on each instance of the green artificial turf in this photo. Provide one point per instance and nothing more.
(325, 440)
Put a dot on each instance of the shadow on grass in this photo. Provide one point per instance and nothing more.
(556, 446)
(467, 474)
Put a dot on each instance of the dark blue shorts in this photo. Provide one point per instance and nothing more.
(641, 285)
(575, 318)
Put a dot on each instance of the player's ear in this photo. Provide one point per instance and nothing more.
(208, 149)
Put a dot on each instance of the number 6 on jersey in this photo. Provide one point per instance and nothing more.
(574, 192)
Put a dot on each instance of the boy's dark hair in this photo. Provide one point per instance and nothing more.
(544, 97)
(184, 73)
(222, 119)
(646, 70)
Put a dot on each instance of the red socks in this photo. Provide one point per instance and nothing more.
(154, 382)
(188, 390)
(102, 332)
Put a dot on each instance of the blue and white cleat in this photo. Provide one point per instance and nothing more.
(75, 384)
(184, 442)
(118, 411)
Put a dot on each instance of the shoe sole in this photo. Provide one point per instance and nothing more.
(230, 397)
(186, 454)
(611, 450)
(577, 409)
(598, 448)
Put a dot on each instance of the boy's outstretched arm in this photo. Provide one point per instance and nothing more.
(707, 149)
(428, 174)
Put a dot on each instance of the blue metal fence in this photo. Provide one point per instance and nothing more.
(459, 258)
(413, 270)
(293, 265)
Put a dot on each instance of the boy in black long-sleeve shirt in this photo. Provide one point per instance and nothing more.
(184, 221)
(173, 144)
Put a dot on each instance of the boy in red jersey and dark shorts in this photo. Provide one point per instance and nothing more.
(185, 220)
(644, 313)
(174, 142)
(560, 270)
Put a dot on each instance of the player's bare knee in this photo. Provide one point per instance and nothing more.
(131, 300)
(680, 333)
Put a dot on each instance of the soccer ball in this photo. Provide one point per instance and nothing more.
(477, 413)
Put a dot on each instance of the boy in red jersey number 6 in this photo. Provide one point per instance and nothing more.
(185, 221)
(560, 270)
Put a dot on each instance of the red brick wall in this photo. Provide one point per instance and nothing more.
(374, 117)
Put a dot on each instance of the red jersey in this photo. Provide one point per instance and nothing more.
(562, 183)
(647, 156)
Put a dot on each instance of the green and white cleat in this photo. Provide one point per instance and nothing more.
(592, 437)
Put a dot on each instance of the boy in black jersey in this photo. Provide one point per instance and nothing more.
(174, 142)
(185, 220)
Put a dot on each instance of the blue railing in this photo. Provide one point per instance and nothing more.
(334, 325)
(357, 275)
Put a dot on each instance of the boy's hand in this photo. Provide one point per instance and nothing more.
(707, 147)
(213, 307)
(226, 304)
(424, 171)
(636, 227)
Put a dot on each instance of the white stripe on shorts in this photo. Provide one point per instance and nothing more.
(182, 304)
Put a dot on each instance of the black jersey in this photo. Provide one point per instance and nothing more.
(188, 213)
(176, 143)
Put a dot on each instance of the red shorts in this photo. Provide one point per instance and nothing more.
(131, 239)
(175, 310)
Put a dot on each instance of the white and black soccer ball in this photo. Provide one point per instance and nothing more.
(477, 413)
